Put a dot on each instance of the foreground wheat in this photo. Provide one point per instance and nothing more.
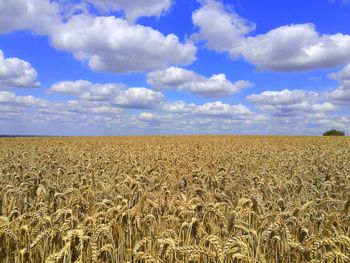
(175, 199)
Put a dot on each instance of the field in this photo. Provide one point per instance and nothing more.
(175, 199)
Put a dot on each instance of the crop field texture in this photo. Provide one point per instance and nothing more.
(175, 199)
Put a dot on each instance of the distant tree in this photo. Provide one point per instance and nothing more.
(334, 133)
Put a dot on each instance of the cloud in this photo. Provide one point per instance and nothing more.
(73, 107)
(41, 16)
(36, 113)
(221, 109)
(289, 103)
(303, 124)
(334, 122)
(112, 44)
(113, 94)
(38, 116)
(71, 87)
(148, 117)
(296, 48)
(17, 73)
(133, 9)
(287, 48)
(10, 98)
(284, 97)
(138, 98)
(87, 90)
(212, 117)
(182, 79)
(341, 95)
(342, 75)
(220, 27)
(214, 109)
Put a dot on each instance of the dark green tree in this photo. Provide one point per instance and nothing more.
(334, 133)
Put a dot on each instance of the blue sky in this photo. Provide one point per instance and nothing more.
(119, 67)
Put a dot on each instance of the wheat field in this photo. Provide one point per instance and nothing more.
(175, 199)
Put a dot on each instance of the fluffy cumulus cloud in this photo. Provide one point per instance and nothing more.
(220, 27)
(41, 16)
(133, 9)
(341, 95)
(87, 90)
(182, 79)
(113, 94)
(112, 44)
(221, 109)
(296, 47)
(291, 102)
(139, 98)
(286, 48)
(18, 73)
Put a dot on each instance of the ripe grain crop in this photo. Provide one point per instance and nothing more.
(175, 199)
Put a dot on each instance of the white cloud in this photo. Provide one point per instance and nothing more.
(18, 73)
(149, 116)
(172, 77)
(220, 27)
(286, 48)
(41, 16)
(221, 109)
(212, 117)
(71, 87)
(138, 98)
(178, 107)
(341, 95)
(296, 47)
(10, 98)
(112, 44)
(87, 90)
(113, 94)
(35, 113)
(73, 107)
(38, 116)
(291, 103)
(135, 8)
(335, 122)
(284, 97)
(214, 109)
(182, 79)
(342, 75)
(7, 109)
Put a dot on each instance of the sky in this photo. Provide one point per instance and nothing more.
(121, 67)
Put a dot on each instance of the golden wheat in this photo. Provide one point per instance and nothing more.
(209, 199)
